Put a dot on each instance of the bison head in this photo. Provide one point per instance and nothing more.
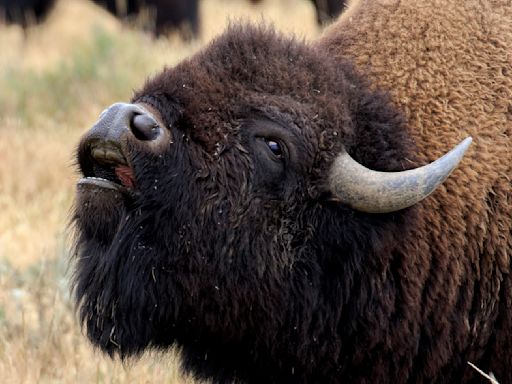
(220, 210)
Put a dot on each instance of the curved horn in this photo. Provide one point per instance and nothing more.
(381, 192)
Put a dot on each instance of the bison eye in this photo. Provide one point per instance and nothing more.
(275, 147)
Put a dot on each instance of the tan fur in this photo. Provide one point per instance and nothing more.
(448, 65)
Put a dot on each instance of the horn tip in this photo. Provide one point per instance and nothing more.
(462, 147)
(466, 142)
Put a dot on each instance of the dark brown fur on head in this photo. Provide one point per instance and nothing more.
(237, 255)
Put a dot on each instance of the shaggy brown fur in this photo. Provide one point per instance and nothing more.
(448, 65)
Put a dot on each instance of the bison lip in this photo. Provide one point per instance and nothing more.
(100, 183)
(105, 167)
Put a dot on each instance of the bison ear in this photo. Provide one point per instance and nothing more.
(382, 192)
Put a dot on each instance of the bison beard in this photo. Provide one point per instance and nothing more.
(219, 233)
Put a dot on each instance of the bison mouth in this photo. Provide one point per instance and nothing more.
(105, 166)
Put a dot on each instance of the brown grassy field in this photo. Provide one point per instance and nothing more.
(54, 81)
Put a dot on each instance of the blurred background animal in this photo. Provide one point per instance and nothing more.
(159, 17)
(24, 12)
(326, 10)
(183, 15)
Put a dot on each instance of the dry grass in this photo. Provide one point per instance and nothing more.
(53, 83)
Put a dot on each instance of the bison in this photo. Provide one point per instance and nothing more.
(24, 12)
(328, 10)
(276, 209)
(181, 15)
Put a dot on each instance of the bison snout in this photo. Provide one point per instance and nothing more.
(122, 118)
(106, 151)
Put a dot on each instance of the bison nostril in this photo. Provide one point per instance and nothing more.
(144, 127)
